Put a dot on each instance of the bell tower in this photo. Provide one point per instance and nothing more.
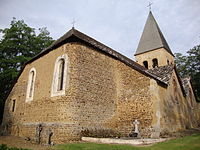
(153, 50)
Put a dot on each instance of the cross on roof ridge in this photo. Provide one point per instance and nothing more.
(73, 23)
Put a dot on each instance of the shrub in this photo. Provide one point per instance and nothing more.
(100, 133)
(5, 147)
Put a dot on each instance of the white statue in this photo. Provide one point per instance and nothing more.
(136, 123)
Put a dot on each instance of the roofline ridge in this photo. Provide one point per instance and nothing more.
(162, 38)
(98, 45)
(152, 50)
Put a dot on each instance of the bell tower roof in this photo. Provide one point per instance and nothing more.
(152, 37)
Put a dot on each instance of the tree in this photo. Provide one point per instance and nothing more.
(18, 44)
(182, 64)
(190, 66)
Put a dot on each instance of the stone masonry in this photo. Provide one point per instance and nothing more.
(102, 93)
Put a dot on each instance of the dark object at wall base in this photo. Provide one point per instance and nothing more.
(133, 134)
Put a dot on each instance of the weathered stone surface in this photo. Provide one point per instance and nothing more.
(102, 93)
(178, 111)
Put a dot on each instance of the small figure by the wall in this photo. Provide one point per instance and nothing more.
(49, 135)
(38, 133)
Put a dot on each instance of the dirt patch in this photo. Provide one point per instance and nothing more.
(18, 142)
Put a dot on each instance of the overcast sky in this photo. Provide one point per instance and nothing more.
(116, 23)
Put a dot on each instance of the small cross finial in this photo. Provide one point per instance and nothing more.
(149, 6)
(73, 23)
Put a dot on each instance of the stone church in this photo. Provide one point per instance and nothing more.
(79, 85)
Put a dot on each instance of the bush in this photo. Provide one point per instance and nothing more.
(100, 133)
(5, 147)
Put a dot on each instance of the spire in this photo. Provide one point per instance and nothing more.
(152, 37)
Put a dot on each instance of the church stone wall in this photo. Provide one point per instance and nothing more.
(134, 101)
(111, 94)
(55, 113)
(176, 109)
(101, 94)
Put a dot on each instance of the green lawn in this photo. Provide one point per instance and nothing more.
(186, 143)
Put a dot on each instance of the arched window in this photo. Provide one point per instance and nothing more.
(175, 85)
(30, 86)
(13, 105)
(155, 62)
(145, 63)
(59, 76)
(167, 62)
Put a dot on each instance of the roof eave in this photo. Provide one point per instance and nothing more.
(153, 50)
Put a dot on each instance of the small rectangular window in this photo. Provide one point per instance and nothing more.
(13, 105)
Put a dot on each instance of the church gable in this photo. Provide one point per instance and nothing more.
(57, 52)
(98, 91)
(74, 35)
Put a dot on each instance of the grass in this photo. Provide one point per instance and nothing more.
(5, 147)
(186, 143)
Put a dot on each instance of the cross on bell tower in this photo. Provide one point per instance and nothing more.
(149, 6)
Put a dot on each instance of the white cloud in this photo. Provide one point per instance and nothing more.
(116, 23)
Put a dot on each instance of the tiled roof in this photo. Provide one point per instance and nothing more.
(164, 73)
(152, 37)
